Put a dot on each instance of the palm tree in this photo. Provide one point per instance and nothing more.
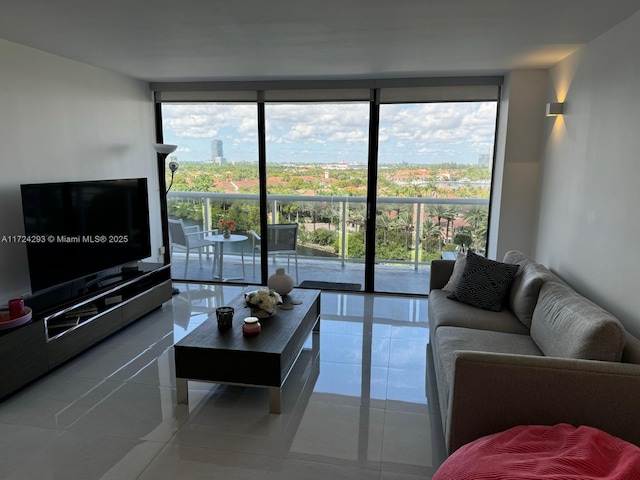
(481, 236)
(357, 216)
(383, 223)
(477, 218)
(405, 225)
(429, 229)
(451, 214)
(335, 212)
(438, 211)
(316, 209)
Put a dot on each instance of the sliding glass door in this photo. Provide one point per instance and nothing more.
(216, 185)
(434, 179)
(316, 158)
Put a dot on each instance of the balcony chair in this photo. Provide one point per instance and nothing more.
(281, 239)
(189, 238)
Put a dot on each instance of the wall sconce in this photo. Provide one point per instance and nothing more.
(554, 109)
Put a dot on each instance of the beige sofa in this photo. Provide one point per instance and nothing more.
(550, 356)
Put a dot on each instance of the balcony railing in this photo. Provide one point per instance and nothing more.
(418, 205)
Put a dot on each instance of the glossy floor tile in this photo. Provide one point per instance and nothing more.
(358, 410)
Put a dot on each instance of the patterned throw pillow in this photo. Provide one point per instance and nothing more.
(484, 283)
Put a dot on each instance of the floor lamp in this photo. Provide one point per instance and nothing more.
(164, 149)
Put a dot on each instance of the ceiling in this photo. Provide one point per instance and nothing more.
(209, 40)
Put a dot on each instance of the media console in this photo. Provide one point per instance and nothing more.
(58, 332)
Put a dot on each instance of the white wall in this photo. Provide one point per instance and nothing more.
(590, 181)
(516, 173)
(63, 120)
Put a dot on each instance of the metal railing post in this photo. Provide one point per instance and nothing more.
(417, 209)
(343, 225)
(274, 212)
(207, 214)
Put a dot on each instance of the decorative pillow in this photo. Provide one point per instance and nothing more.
(484, 283)
(458, 267)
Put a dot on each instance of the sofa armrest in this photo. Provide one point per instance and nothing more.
(441, 271)
(493, 392)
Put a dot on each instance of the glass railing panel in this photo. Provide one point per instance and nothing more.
(321, 248)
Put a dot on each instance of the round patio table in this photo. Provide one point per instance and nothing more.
(220, 241)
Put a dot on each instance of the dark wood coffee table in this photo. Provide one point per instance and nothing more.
(264, 360)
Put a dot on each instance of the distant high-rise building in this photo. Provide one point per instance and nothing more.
(217, 154)
(216, 148)
(485, 159)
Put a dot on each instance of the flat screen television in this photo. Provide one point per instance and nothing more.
(77, 229)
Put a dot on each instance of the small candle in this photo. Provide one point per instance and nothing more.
(16, 308)
(251, 326)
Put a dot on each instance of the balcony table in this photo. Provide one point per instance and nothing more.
(219, 255)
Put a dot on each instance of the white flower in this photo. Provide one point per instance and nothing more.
(263, 299)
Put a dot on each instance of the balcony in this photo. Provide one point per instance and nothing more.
(408, 275)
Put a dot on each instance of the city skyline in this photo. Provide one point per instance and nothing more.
(457, 132)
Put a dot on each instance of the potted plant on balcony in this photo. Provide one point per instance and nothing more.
(227, 226)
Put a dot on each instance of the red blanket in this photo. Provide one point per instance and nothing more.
(559, 452)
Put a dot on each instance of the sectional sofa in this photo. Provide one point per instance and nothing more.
(547, 355)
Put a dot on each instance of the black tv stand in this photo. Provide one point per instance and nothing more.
(60, 331)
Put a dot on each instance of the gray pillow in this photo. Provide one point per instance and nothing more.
(458, 267)
(484, 283)
(566, 324)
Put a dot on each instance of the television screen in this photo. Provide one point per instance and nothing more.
(76, 229)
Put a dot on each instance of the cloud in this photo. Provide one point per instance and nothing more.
(458, 131)
(206, 120)
(317, 123)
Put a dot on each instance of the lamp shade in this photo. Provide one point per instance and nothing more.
(164, 148)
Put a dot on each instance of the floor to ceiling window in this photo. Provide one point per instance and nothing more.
(378, 181)
(317, 177)
(216, 185)
(434, 178)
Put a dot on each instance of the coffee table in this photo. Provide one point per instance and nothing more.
(264, 360)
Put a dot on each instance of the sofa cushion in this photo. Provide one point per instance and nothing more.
(525, 288)
(631, 352)
(445, 312)
(517, 257)
(448, 340)
(484, 283)
(458, 268)
(566, 324)
(526, 284)
(440, 274)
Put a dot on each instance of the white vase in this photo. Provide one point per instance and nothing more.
(280, 281)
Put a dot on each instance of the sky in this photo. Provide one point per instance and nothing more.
(333, 132)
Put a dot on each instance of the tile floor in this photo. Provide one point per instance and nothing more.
(358, 412)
